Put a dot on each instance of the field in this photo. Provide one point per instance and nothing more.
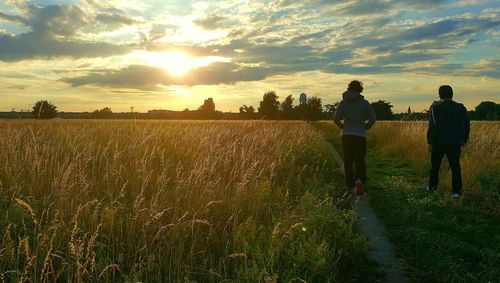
(442, 240)
(171, 201)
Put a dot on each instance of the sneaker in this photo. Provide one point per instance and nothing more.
(455, 195)
(429, 190)
(347, 194)
(359, 188)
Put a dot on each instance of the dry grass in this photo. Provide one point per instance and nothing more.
(159, 201)
(480, 158)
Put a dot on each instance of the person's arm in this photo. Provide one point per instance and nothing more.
(370, 116)
(431, 128)
(339, 115)
(466, 126)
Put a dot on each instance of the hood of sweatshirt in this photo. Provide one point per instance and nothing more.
(350, 96)
(447, 107)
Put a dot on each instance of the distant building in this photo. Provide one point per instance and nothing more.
(409, 110)
(303, 98)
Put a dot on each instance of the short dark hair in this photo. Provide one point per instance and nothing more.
(356, 86)
(445, 91)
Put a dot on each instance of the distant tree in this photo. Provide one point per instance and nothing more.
(247, 112)
(383, 110)
(312, 110)
(287, 107)
(104, 113)
(206, 111)
(472, 114)
(44, 110)
(269, 106)
(301, 111)
(487, 110)
(247, 109)
(330, 108)
(208, 105)
(315, 108)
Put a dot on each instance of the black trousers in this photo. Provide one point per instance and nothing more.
(354, 148)
(452, 152)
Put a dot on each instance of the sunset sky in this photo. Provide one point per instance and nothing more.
(160, 54)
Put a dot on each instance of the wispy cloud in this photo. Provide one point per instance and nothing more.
(211, 22)
(55, 31)
(148, 77)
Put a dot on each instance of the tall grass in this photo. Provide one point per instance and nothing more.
(480, 157)
(160, 201)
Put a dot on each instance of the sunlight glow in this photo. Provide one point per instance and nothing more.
(187, 32)
(176, 63)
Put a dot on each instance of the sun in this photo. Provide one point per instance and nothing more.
(176, 63)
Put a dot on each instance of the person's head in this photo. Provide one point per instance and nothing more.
(355, 86)
(445, 92)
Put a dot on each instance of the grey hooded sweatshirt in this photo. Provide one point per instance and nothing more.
(354, 110)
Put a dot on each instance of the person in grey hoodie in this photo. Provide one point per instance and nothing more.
(354, 116)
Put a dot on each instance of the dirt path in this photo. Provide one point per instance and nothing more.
(381, 249)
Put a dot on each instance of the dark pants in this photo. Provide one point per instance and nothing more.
(354, 148)
(452, 152)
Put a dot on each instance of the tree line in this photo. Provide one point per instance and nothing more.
(270, 108)
(311, 109)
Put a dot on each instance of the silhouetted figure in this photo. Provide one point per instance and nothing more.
(448, 131)
(354, 110)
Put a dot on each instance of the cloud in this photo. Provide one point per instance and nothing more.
(211, 22)
(11, 18)
(363, 70)
(34, 46)
(148, 77)
(17, 3)
(111, 19)
(364, 7)
(360, 8)
(55, 31)
(270, 37)
(486, 68)
(380, 46)
(433, 30)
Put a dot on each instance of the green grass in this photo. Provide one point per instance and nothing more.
(441, 239)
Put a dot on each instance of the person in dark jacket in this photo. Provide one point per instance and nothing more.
(448, 131)
(354, 116)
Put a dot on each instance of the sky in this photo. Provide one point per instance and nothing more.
(84, 55)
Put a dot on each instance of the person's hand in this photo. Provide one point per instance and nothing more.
(429, 147)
